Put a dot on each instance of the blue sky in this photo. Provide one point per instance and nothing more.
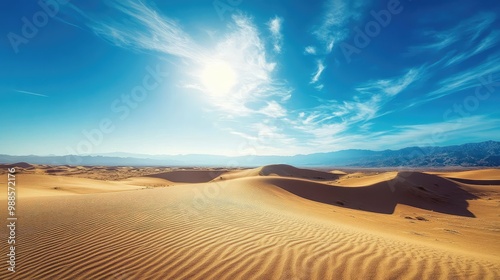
(237, 77)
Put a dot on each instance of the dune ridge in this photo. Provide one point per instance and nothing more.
(261, 226)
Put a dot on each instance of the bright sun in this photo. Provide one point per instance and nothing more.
(218, 77)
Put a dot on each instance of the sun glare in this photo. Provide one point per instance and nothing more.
(218, 77)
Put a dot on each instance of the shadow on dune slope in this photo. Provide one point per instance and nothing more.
(189, 176)
(415, 189)
(284, 170)
(477, 182)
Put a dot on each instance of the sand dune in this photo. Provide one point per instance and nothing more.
(419, 190)
(281, 170)
(31, 185)
(269, 224)
(24, 165)
(189, 176)
(361, 179)
(338, 172)
(481, 174)
(476, 177)
(290, 171)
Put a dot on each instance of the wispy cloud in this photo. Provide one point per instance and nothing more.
(463, 36)
(466, 79)
(425, 134)
(145, 29)
(373, 95)
(456, 45)
(340, 136)
(439, 41)
(245, 50)
(310, 50)
(258, 97)
(271, 132)
(273, 109)
(487, 43)
(333, 27)
(320, 67)
(267, 138)
(394, 86)
(31, 93)
(242, 46)
(275, 25)
(332, 122)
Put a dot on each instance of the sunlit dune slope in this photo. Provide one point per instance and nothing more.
(476, 177)
(259, 227)
(281, 170)
(480, 174)
(32, 185)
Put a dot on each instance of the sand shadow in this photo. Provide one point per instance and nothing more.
(188, 176)
(476, 182)
(420, 190)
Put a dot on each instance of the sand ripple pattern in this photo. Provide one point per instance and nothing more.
(145, 235)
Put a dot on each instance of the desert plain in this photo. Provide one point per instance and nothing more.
(270, 222)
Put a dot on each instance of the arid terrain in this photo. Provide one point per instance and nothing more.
(272, 222)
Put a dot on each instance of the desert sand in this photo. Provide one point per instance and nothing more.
(272, 222)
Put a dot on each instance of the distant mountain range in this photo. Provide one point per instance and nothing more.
(484, 154)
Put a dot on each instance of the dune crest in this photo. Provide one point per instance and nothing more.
(189, 176)
(281, 170)
(273, 222)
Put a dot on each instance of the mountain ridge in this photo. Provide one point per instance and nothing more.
(484, 154)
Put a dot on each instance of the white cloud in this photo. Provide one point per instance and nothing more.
(488, 42)
(275, 25)
(430, 134)
(245, 50)
(441, 41)
(333, 27)
(459, 36)
(469, 38)
(394, 86)
(329, 123)
(269, 139)
(466, 79)
(31, 93)
(310, 50)
(473, 27)
(342, 135)
(320, 68)
(329, 46)
(242, 47)
(273, 110)
(144, 29)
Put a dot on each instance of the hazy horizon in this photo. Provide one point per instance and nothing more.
(243, 155)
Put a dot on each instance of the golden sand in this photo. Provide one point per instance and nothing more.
(273, 222)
